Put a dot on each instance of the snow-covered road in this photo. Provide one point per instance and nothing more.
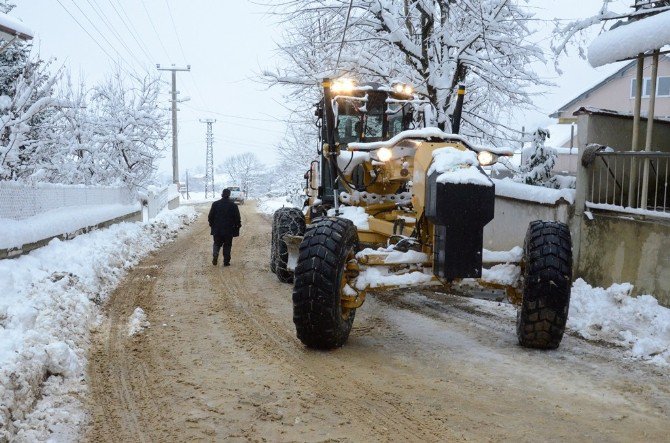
(218, 359)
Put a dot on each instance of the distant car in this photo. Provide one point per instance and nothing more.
(236, 194)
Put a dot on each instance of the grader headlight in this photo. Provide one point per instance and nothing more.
(403, 88)
(343, 85)
(486, 158)
(384, 154)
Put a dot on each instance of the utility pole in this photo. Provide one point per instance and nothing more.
(209, 162)
(175, 144)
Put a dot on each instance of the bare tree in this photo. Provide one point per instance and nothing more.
(244, 170)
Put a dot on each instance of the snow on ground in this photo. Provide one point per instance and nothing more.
(199, 197)
(638, 324)
(51, 299)
(137, 322)
(268, 206)
(16, 233)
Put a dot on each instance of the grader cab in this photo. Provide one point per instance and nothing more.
(393, 205)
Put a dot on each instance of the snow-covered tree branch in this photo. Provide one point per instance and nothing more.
(434, 45)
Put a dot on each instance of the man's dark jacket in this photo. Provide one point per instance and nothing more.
(224, 218)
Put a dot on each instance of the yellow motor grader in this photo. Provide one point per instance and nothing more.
(391, 205)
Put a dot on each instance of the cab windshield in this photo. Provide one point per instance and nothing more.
(348, 122)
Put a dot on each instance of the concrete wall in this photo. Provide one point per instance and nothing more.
(617, 132)
(512, 216)
(615, 249)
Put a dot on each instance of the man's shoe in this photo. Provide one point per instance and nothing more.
(226, 263)
(215, 261)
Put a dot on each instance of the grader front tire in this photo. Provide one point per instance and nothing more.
(547, 283)
(320, 320)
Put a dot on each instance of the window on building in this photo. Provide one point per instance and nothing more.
(662, 87)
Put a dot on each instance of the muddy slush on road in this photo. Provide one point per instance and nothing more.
(221, 362)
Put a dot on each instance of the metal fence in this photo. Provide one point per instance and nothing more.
(630, 181)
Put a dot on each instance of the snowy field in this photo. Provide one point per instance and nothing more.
(51, 300)
(638, 324)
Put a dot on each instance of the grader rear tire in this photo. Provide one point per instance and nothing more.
(290, 221)
(320, 320)
(547, 282)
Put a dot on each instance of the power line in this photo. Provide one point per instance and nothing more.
(101, 33)
(344, 32)
(110, 26)
(176, 34)
(233, 116)
(155, 30)
(93, 38)
(126, 24)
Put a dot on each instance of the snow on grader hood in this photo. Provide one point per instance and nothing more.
(389, 206)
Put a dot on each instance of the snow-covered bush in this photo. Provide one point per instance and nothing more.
(26, 122)
(538, 162)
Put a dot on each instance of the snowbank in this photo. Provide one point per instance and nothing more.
(16, 233)
(638, 324)
(631, 39)
(538, 194)
(50, 300)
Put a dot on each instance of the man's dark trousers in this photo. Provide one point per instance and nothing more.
(227, 242)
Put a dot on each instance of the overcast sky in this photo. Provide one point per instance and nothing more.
(227, 42)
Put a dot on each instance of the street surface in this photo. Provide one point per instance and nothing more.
(220, 361)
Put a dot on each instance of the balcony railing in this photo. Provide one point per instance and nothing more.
(630, 181)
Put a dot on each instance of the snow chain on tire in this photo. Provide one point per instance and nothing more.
(273, 243)
(290, 221)
(547, 282)
(319, 318)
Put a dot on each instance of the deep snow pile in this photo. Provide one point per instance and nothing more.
(50, 301)
(638, 324)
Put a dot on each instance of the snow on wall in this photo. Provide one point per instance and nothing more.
(538, 194)
(628, 41)
(16, 233)
(20, 201)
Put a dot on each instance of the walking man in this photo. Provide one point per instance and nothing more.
(224, 219)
